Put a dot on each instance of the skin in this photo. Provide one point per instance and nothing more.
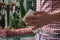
(39, 19)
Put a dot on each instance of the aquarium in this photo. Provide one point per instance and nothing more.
(12, 13)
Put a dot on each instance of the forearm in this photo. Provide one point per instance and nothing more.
(54, 16)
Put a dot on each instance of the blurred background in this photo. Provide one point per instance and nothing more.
(12, 13)
(12, 9)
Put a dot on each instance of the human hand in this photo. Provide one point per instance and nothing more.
(38, 18)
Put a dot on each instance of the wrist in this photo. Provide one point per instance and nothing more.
(55, 17)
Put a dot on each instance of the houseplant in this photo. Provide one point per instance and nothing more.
(17, 22)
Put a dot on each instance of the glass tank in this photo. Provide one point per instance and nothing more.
(11, 15)
(12, 12)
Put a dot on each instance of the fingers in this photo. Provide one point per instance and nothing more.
(35, 19)
(29, 18)
(35, 13)
(40, 12)
(35, 16)
(32, 20)
(31, 24)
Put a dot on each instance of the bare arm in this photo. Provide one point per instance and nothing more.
(44, 20)
(54, 16)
